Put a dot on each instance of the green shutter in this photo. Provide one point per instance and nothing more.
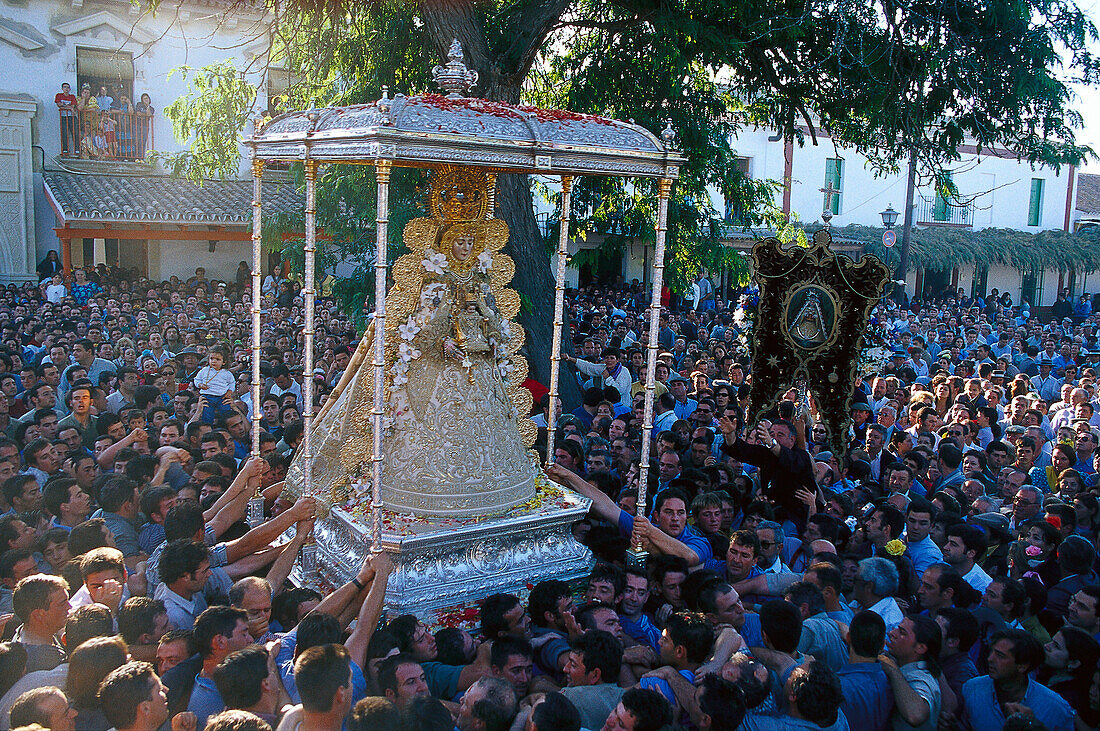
(834, 179)
(1035, 207)
(941, 207)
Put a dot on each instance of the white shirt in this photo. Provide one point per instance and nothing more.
(56, 292)
(295, 388)
(777, 568)
(181, 611)
(888, 609)
(83, 597)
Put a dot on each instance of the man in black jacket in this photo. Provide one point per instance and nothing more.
(784, 469)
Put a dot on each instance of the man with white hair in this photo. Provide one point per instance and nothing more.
(875, 586)
(489, 703)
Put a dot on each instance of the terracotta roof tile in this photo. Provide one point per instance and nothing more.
(1088, 194)
(162, 199)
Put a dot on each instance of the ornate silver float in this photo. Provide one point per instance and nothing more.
(444, 565)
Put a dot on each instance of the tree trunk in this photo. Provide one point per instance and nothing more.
(515, 206)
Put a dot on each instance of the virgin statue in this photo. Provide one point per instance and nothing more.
(455, 428)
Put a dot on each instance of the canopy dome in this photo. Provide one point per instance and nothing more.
(431, 130)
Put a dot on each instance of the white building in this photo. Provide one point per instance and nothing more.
(116, 208)
(994, 190)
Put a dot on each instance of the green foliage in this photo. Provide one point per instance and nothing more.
(210, 116)
(883, 77)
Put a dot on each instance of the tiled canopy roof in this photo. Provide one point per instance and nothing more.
(1088, 194)
(161, 199)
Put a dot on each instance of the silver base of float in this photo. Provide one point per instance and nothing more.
(444, 567)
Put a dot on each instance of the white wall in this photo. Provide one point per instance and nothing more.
(195, 36)
(179, 258)
(999, 188)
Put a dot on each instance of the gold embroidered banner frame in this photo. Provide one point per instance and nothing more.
(809, 326)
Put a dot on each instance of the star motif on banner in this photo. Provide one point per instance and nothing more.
(773, 361)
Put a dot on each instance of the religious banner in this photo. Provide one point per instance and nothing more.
(809, 327)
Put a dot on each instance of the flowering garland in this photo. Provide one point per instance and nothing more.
(745, 315)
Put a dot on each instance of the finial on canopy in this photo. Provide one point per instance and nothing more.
(454, 77)
(668, 135)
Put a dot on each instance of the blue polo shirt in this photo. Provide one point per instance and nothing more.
(285, 662)
(699, 545)
(205, 701)
(923, 554)
(983, 711)
(661, 685)
(643, 631)
(868, 697)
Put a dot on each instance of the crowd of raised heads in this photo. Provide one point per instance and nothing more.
(936, 572)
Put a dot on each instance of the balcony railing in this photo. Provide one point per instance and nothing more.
(96, 134)
(940, 211)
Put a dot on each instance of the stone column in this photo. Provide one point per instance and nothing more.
(17, 250)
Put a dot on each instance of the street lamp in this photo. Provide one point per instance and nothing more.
(889, 217)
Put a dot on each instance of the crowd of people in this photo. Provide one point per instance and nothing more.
(938, 571)
(104, 125)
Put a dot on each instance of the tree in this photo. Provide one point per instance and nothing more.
(884, 76)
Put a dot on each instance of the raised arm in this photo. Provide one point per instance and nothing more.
(371, 610)
(106, 458)
(240, 482)
(280, 569)
(912, 707)
(662, 542)
(602, 505)
(588, 369)
(265, 533)
(333, 604)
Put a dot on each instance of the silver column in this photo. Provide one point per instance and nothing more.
(663, 188)
(382, 172)
(256, 502)
(559, 307)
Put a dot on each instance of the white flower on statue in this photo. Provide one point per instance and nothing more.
(400, 372)
(432, 295)
(398, 409)
(484, 262)
(407, 352)
(435, 262)
(408, 330)
(505, 367)
(467, 363)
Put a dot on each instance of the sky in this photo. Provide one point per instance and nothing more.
(1088, 98)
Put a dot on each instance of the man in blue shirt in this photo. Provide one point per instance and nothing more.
(923, 552)
(633, 619)
(868, 697)
(672, 535)
(218, 631)
(548, 605)
(989, 699)
(685, 643)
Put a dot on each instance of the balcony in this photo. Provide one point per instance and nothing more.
(108, 135)
(942, 212)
